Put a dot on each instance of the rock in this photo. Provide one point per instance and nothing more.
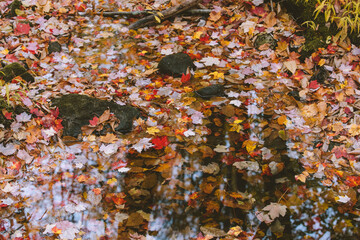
(265, 41)
(13, 70)
(216, 90)
(176, 64)
(14, 110)
(76, 111)
(15, 5)
(54, 46)
(320, 75)
(277, 143)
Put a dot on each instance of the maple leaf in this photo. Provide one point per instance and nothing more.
(143, 144)
(352, 181)
(252, 109)
(314, 85)
(212, 168)
(94, 121)
(7, 114)
(339, 151)
(270, 212)
(249, 145)
(249, 165)
(23, 117)
(209, 61)
(152, 130)
(342, 199)
(160, 142)
(189, 133)
(22, 28)
(221, 149)
(109, 149)
(185, 78)
(108, 138)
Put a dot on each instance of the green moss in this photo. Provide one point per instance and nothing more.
(16, 4)
(303, 11)
(13, 70)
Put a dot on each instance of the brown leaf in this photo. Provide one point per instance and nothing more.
(104, 117)
(270, 20)
(135, 219)
(206, 151)
(108, 138)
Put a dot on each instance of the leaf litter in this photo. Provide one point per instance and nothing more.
(267, 151)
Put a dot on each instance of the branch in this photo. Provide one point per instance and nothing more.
(168, 13)
(138, 13)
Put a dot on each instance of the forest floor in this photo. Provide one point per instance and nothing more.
(275, 157)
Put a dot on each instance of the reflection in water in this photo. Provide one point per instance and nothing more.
(181, 191)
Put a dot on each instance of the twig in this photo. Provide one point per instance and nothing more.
(168, 13)
(147, 13)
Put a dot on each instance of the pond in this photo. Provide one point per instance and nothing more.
(251, 164)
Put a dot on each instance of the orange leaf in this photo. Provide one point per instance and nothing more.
(282, 120)
(56, 230)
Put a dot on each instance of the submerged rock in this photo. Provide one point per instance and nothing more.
(320, 75)
(15, 5)
(54, 46)
(13, 70)
(216, 90)
(265, 41)
(76, 111)
(176, 64)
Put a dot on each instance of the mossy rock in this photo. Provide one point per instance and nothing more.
(54, 46)
(13, 70)
(320, 75)
(16, 4)
(303, 11)
(264, 41)
(176, 64)
(216, 90)
(76, 111)
(14, 110)
(4, 105)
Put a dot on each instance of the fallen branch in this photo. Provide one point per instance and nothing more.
(168, 13)
(139, 13)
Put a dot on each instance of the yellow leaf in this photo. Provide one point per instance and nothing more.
(197, 35)
(111, 181)
(188, 100)
(152, 130)
(157, 19)
(282, 46)
(321, 62)
(5, 52)
(217, 75)
(250, 145)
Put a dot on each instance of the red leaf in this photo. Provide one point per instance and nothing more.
(353, 181)
(22, 28)
(94, 121)
(314, 85)
(37, 112)
(55, 112)
(7, 114)
(339, 151)
(260, 11)
(160, 142)
(185, 78)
